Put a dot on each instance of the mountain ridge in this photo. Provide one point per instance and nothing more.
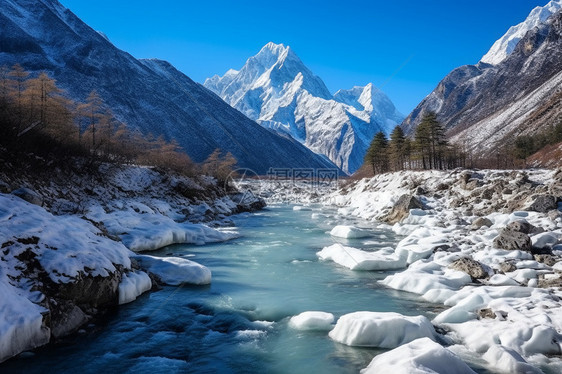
(484, 107)
(44, 35)
(276, 89)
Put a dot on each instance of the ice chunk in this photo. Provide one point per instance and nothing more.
(384, 330)
(421, 356)
(349, 232)
(356, 259)
(174, 270)
(133, 285)
(312, 321)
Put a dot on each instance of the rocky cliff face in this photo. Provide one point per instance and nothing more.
(151, 96)
(483, 106)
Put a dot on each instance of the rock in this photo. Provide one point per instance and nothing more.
(546, 259)
(4, 187)
(91, 292)
(507, 191)
(471, 267)
(487, 194)
(553, 215)
(551, 282)
(524, 227)
(486, 313)
(543, 204)
(28, 195)
(402, 208)
(513, 240)
(481, 222)
(420, 191)
(66, 318)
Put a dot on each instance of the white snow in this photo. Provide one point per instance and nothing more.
(174, 270)
(505, 360)
(133, 285)
(383, 330)
(421, 356)
(507, 43)
(67, 245)
(151, 230)
(349, 232)
(20, 321)
(356, 259)
(318, 321)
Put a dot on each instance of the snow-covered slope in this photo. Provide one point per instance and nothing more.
(151, 96)
(485, 106)
(276, 89)
(504, 46)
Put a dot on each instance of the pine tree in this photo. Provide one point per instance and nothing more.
(422, 144)
(377, 154)
(398, 148)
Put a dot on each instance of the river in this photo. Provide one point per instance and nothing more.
(239, 324)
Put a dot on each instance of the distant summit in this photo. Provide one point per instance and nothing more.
(507, 43)
(276, 89)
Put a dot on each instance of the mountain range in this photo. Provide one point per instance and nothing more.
(514, 90)
(276, 89)
(148, 95)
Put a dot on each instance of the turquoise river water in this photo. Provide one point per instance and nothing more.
(239, 324)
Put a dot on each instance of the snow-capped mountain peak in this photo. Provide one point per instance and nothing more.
(504, 46)
(276, 89)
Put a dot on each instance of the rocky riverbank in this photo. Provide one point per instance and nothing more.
(69, 239)
(485, 244)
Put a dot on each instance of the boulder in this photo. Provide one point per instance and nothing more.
(513, 240)
(524, 227)
(470, 267)
(402, 208)
(507, 267)
(546, 259)
(486, 313)
(66, 318)
(542, 203)
(481, 222)
(28, 195)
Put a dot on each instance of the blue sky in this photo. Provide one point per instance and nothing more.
(403, 47)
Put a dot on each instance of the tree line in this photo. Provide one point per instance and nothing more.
(37, 117)
(427, 149)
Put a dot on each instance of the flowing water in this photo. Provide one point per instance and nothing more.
(239, 324)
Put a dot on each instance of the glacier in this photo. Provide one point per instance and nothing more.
(276, 89)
